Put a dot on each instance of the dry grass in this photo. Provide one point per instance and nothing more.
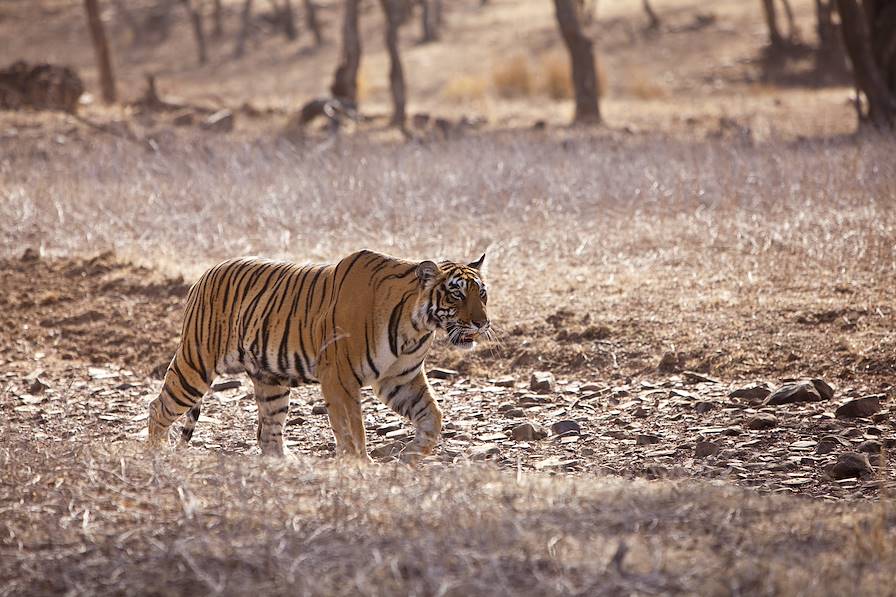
(465, 88)
(108, 519)
(770, 260)
(512, 78)
(556, 76)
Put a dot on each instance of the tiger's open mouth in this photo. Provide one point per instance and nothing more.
(465, 340)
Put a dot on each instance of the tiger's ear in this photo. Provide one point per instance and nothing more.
(427, 271)
(477, 265)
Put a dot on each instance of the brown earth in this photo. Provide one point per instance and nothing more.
(99, 333)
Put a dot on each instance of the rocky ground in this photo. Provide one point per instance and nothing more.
(87, 339)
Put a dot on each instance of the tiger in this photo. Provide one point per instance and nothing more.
(368, 320)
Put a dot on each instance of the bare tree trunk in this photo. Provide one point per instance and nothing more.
(427, 22)
(870, 40)
(245, 20)
(654, 23)
(396, 74)
(791, 21)
(581, 55)
(218, 19)
(312, 23)
(198, 32)
(438, 14)
(101, 48)
(285, 17)
(771, 18)
(345, 79)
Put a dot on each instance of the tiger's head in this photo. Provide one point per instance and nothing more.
(454, 298)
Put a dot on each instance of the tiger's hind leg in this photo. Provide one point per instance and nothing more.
(273, 406)
(182, 391)
(189, 424)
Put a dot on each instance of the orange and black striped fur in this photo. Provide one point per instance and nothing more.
(367, 320)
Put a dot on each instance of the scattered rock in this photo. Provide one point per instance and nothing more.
(829, 443)
(542, 382)
(761, 421)
(871, 446)
(754, 393)
(646, 439)
(37, 386)
(822, 387)
(704, 407)
(860, 407)
(504, 382)
(795, 392)
(388, 428)
(566, 426)
(484, 451)
(527, 432)
(438, 373)
(30, 256)
(39, 86)
(704, 449)
(219, 122)
(389, 450)
(695, 377)
(184, 118)
(850, 465)
(672, 362)
(319, 409)
(229, 384)
(514, 413)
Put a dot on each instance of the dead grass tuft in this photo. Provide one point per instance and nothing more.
(557, 79)
(465, 88)
(109, 519)
(513, 78)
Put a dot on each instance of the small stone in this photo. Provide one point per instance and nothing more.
(860, 407)
(829, 443)
(184, 118)
(566, 426)
(219, 122)
(484, 451)
(591, 387)
(387, 450)
(542, 382)
(703, 449)
(387, 428)
(37, 386)
(704, 407)
(646, 439)
(319, 409)
(696, 377)
(230, 384)
(871, 446)
(671, 363)
(505, 382)
(794, 392)
(30, 255)
(640, 412)
(754, 393)
(438, 373)
(850, 465)
(515, 413)
(761, 421)
(824, 390)
(527, 432)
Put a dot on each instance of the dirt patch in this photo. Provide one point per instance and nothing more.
(91, 310)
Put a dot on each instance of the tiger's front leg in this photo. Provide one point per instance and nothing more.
(343, 399)
(413, 399)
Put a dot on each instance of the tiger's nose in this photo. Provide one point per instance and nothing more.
(480, 323)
